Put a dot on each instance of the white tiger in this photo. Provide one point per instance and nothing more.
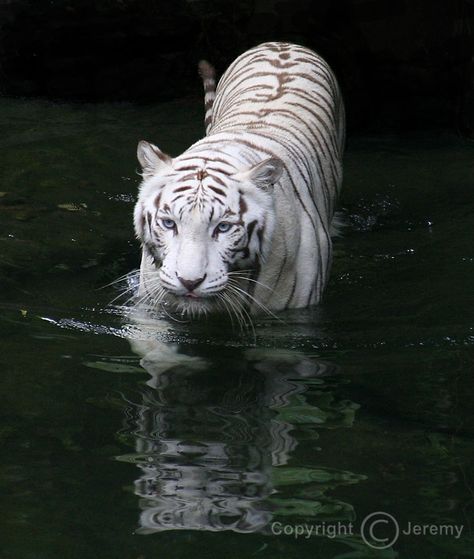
(240, 222)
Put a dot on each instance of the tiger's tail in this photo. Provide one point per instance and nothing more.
(208, 75)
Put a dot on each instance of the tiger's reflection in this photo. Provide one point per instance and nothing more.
(207, 442)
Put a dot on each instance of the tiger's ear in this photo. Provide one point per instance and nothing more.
(264, 174)
(151, 158)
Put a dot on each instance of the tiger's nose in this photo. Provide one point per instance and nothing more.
(192, 284)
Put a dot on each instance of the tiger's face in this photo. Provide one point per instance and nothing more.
(204, 226)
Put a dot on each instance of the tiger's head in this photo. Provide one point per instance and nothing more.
(205, 225)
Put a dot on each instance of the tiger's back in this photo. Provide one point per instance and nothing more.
(285, 91)
(276, 102)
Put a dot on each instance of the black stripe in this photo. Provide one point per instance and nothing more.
(216, 190)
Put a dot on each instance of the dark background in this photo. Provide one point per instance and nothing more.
(402, 64)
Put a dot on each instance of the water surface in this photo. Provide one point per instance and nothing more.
(322, 418)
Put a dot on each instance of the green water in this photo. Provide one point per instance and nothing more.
(359, 406)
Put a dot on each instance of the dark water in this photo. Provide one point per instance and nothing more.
(327, 416)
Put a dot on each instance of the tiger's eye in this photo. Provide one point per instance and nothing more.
(223, 227)
(168, 223)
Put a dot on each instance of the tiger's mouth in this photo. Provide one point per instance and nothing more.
(190, 303)
(192, 295)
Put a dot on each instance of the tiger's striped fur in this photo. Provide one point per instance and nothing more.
(241, 220)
